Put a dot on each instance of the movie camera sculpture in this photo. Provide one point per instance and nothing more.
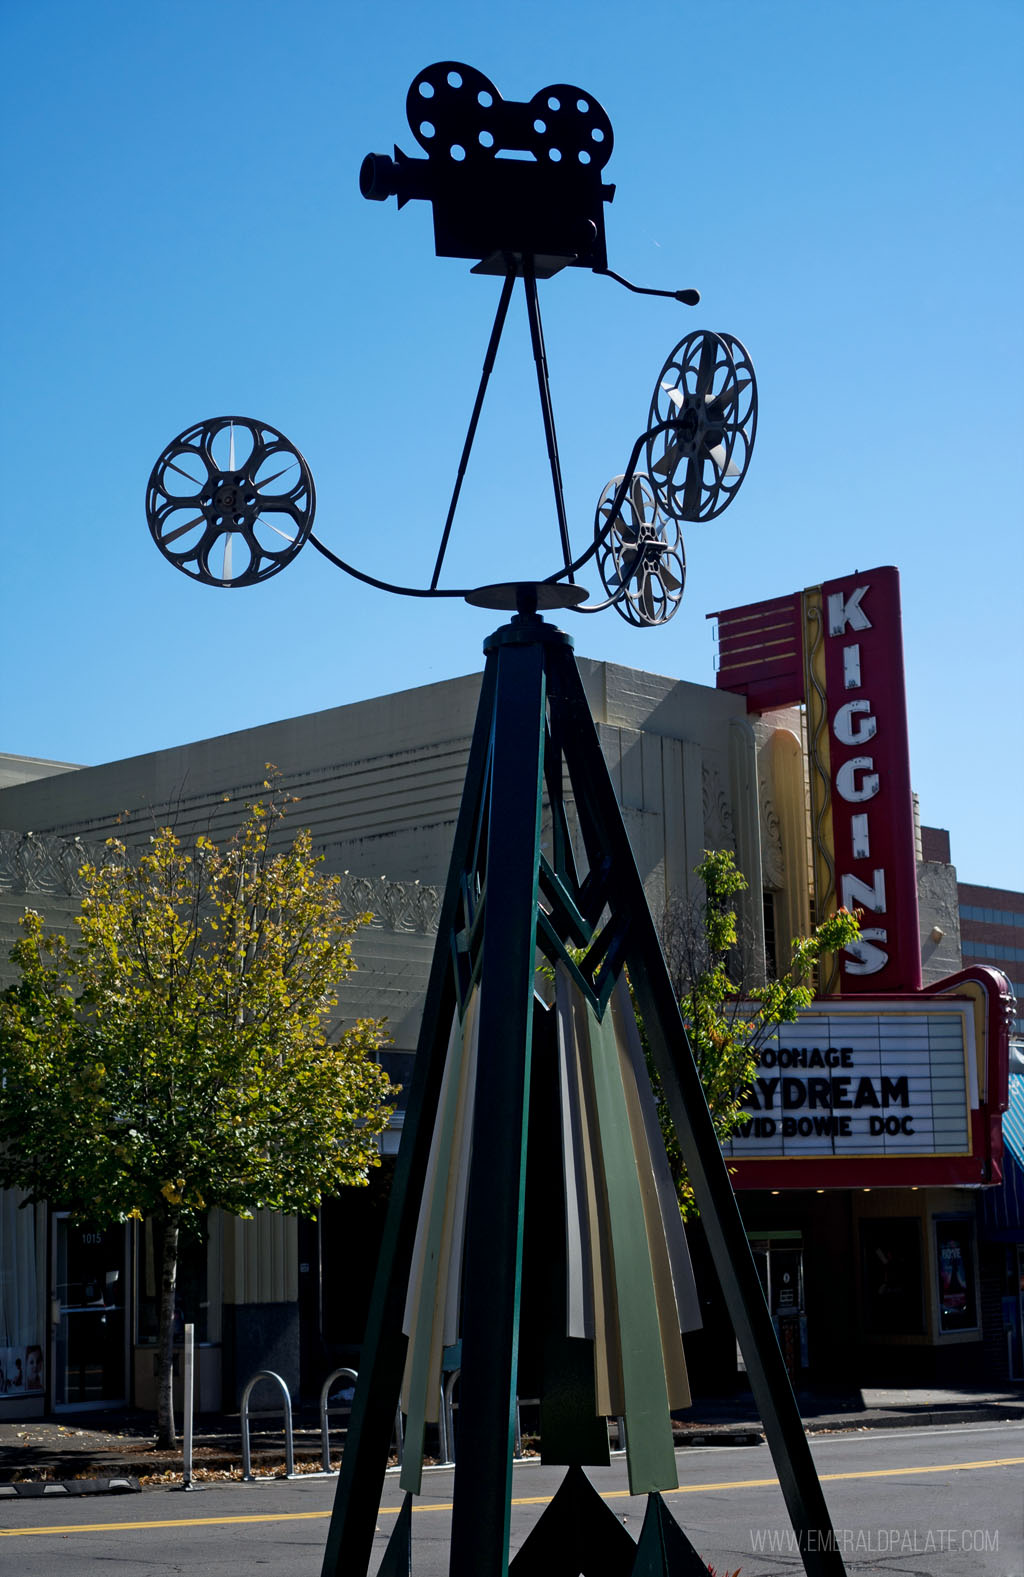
(524, 1095)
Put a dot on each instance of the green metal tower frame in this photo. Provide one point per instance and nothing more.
(504, 900)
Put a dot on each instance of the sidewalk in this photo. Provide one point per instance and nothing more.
(99, 1447)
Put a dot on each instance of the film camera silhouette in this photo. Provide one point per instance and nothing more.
(510, 183)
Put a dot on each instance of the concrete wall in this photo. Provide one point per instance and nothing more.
(379, 784)
(28, 769)
(939, 916)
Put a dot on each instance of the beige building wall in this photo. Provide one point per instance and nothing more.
(379, 785)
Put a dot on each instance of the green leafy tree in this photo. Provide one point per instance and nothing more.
(174, 1056)
(729, 1019)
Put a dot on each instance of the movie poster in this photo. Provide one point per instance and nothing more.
(21, 1370)
(954, 1258)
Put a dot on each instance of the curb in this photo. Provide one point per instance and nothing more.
(36, 1488)
(696, 1436)
(925, 1419)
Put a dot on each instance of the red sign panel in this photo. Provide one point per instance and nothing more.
(872, 804)
(761, 653)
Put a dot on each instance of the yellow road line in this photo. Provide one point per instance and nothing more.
(522, 1500)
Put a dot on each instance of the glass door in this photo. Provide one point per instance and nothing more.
(89, 1360)
(780, 1267)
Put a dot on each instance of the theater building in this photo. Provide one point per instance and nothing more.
(874, 1124)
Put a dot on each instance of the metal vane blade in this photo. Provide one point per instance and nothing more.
(265, 481)
(708, 364)
(624, 572)
(179, 531)
(639, 498)
(718, 455)
(729, 395)
(693, 486)
(194, 480)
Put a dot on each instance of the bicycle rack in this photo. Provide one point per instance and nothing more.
(248, 1477)
(446, 1424)
(446, 1421)
(325, 1412)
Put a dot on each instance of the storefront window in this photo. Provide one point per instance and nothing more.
(954, 1259)
(890, 1261)
(191, 1301)
(21, 1328)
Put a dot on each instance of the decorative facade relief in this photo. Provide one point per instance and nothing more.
(719, 828)
(772, 863)
(41, 863)
(395, 906)
(32, 862)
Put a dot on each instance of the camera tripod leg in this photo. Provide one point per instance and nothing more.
(492, 351)
(537, 340)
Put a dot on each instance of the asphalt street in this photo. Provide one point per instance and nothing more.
(932, 1502)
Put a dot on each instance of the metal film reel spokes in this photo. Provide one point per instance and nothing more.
(707, 395)
(230, 501)
(640, 554)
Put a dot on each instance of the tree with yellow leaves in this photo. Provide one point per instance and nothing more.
(729, 1020)
(174, 1056)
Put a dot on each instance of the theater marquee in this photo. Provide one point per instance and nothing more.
(891, 1091)
(850, 1081)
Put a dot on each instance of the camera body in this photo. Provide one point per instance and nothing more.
(507, 181)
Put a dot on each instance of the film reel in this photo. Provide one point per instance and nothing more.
(707, 394)
(230, 501)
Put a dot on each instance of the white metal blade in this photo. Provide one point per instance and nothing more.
(196, 482)
(265, 481)
(717, 454)
(729, 395)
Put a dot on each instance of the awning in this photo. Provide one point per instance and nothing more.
(1002, 1209)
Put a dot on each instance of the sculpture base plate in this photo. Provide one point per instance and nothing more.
(534, 596)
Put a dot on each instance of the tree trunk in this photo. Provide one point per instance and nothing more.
(166, 1435)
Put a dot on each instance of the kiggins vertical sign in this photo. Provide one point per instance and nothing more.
(861, 800)
(838, 648)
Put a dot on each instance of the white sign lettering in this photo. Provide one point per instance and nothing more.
(851, 729)
(852, 1082)
(859, 837)
(852, 788)
(858, 894)
(863, 957)
(843, 611)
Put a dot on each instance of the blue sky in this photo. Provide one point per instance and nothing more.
(842, 182)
